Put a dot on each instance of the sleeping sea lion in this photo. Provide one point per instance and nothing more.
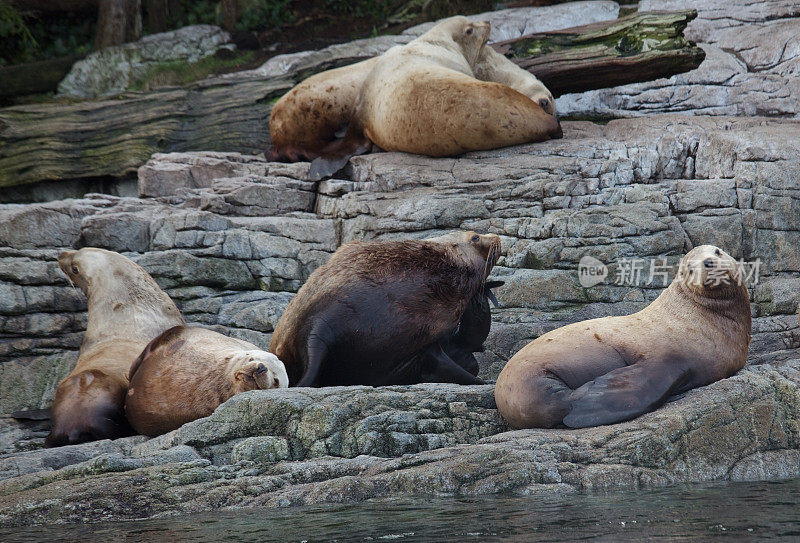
(612, 369)
(126, 310)
(423, 98)
(375, 313)
(187, 372)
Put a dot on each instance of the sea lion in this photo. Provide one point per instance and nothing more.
(187, 372)
(423, 98)
(375, 312)
(126, 310)
(473, 329)
(308, 118)
(612, 369)
(315, 113)
(492, 66)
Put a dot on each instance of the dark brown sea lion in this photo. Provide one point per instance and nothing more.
(612, 369)
(126, 310)
(473, 329)
(187, 372)
(375, 313)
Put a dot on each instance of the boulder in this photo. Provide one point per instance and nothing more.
(112, 70)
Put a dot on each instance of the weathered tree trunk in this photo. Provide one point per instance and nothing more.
(157, 13)
(114, 137)
(640, 47)
(230, 14)
(118, 21)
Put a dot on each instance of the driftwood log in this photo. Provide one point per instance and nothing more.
(640, 47)
(114, 137)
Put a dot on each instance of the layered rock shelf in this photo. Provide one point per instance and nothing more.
(232, 237)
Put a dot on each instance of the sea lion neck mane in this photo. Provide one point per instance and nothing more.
(123, 300)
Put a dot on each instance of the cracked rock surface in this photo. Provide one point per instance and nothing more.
(347, 444)
(751, 67)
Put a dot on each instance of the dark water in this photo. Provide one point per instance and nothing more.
(733, 512)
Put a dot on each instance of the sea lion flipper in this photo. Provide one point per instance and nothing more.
(445, 370)
(336, 155)
(317, 352)
(31, 414)
(627, 392)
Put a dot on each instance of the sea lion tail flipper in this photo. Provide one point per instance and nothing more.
(444, 370)
(336, 155)
(31, 414)
(627, 392)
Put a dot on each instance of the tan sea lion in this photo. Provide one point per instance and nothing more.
(126, 310)
(423, 98)
(492, 66)
(311, 116)
(612, 369)
(187, 372)
(376, 312)
(307, 118)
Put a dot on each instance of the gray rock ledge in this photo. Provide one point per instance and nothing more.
(348, 444)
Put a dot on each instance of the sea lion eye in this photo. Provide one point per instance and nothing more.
(75, 269)
(717, 252)
(469, 32)
(476, 238)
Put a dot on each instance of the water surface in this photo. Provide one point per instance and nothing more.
(735, 512)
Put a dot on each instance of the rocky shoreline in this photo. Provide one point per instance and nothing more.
(231, 238)
(348, 444)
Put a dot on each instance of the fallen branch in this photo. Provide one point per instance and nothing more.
(641, 47)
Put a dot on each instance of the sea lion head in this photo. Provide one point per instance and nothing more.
(258, 370)
(536, 91)
(709, 271)
(469, 36)
(87, 407)
(90, 266)
(482, 251)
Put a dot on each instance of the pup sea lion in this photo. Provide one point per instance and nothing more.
(492, 66)
(612, 369)
(375, 312)
(187, 372)
(126, 310)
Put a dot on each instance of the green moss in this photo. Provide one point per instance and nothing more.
(180, 72)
